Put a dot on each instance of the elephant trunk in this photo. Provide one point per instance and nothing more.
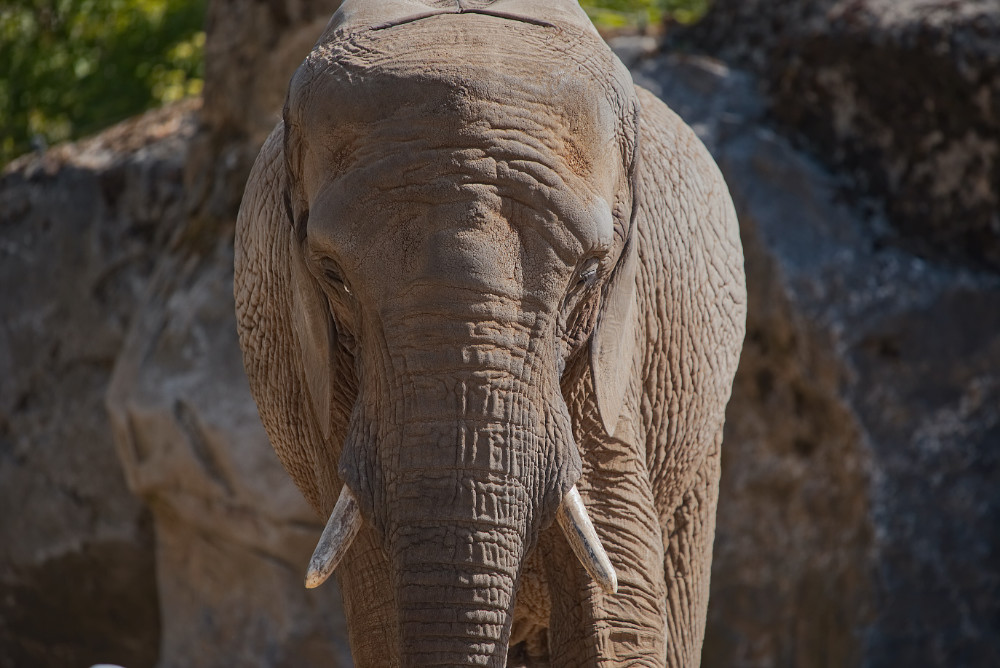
(464, 495)
(456, 587)
(457, 462)
(458, 529)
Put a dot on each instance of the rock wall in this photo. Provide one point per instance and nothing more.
(80, 230)
(195, 556)
(902, 97)
(233, 534)
(90, 572)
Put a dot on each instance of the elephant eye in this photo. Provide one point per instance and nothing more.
(588, 272)
(335, 278)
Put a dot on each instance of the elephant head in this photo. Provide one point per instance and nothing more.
(440, 227)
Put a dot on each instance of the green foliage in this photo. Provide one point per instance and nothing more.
(642, 13)
(72, 67)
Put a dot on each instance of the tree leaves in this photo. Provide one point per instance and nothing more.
(72, 67)
(642, 13)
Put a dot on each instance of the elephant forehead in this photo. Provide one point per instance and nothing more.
(464, 146)
(467, 76)
(487, 212)
(377, 142)
(398, 173)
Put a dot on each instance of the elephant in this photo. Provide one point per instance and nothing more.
(491, 299)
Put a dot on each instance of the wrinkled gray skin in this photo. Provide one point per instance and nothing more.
(476, 265)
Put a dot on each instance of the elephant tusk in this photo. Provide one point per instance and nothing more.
(341, 528)
(582, 537)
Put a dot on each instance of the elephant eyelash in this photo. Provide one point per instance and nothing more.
(588, 273)
(334, 277)
(585, 278)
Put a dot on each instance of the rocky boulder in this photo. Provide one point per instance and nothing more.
(195, 555)
(80, 230)
(901, 97)
(252, 48)
(746, 33)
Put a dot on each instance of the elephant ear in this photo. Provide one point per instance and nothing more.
(613, 342)
(316, 336)
(285, 330)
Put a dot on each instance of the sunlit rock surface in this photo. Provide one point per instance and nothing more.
(80, 230)
(901, 97)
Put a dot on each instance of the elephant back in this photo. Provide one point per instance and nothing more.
(354, 15)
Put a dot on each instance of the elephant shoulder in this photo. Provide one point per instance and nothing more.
(684, 207)
(693, 298)
(689, 245)
(676, 168)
